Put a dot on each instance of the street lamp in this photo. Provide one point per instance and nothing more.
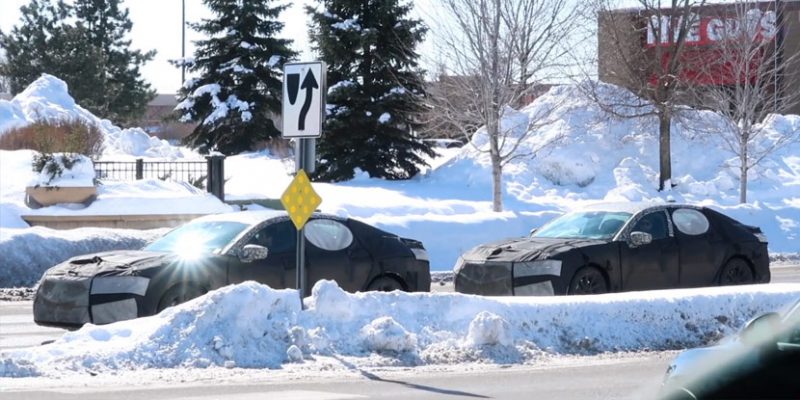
(183, 42)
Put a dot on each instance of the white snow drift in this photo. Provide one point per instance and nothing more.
(253, 326)
(47, 99)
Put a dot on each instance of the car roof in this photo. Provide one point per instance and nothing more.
(255, 217)
(630, 207)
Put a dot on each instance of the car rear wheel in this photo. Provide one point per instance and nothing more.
(588, 280)
(736, 272)
(386, 284)
(178, 294)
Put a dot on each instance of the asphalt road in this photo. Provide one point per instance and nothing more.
(626, 377)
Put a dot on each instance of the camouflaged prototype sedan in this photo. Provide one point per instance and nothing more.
(218, 250)
(619, 247)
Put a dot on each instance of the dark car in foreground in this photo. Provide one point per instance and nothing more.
(619, 247)
(762, 362)
(218, 250)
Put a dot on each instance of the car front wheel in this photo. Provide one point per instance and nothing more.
(588, 280)
(178, 294)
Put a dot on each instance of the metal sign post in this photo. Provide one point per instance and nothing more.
(303, 110)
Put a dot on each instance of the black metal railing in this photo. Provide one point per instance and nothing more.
(208, 174)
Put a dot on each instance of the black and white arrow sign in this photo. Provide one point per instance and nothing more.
(303, 99)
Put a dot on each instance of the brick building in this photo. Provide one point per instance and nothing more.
(628, 37)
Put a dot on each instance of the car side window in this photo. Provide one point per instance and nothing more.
(689, 221)
(278, 237)
(328, 234)
(655, 224)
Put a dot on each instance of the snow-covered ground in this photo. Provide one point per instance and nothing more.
(583, 155)
(253, 326)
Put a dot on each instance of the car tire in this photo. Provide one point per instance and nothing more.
(178, 294)
(735, 272)
(588, 280)
(386, 284)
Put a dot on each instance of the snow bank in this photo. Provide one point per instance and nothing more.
(253, 326)
(27, 253)
(48, 99)
(585, 154)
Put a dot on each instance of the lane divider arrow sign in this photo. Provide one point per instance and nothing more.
(303, 119)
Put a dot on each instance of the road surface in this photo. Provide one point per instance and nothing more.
(632, 377)
(605, 377)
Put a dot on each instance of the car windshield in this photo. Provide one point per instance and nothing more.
(584, 225)
(195, 238)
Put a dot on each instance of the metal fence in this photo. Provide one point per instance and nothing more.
(209, 174)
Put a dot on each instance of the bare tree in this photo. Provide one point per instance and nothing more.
(642, 49)
(746, 73)
(493, 52)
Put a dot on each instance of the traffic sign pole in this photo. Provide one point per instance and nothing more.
(303, 112)
(301, 262)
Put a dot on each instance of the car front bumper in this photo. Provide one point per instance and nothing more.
(505, 279)
(71, 301)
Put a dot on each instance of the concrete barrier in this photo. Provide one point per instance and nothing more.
(150, 221)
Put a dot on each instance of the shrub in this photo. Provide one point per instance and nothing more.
(62, 136)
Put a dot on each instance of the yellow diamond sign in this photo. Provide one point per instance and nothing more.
(300, 200)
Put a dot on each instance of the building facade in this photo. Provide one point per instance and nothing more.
(635, 45)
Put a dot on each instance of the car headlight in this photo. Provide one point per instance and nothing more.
(537, 268)
(120, 284)
(459, 265)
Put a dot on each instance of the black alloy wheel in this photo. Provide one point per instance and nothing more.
(178, 294)
(736, 272)
(588, 280)
(385, 284)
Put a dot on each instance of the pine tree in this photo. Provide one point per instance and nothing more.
(85, 46)
(122, 95)
(375, 88)
(27, 47)
(237, 92)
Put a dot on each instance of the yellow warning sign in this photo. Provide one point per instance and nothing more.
(300, 200)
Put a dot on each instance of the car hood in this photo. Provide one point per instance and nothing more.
(704, 363)
(123, 262)
(526, 249)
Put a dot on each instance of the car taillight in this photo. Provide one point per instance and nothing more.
(420, 254)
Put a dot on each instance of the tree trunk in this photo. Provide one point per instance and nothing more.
(497, 169)
(743, 168)
(664, 152)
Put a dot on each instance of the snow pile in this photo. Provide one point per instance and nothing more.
(581, 153)
(253, 326)
(27, 253)
(47, 99)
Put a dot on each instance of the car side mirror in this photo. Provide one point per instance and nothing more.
(533, 231)
(253, 252)
(640, 238)
(761, 330)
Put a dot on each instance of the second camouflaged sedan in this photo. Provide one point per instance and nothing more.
(619, 247)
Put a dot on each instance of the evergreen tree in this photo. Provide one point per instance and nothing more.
(238, 88)
(122, 95)
(27, 47)
(375, 88)
(85, 46)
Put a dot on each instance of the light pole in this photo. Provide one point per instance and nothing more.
(183, 42)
